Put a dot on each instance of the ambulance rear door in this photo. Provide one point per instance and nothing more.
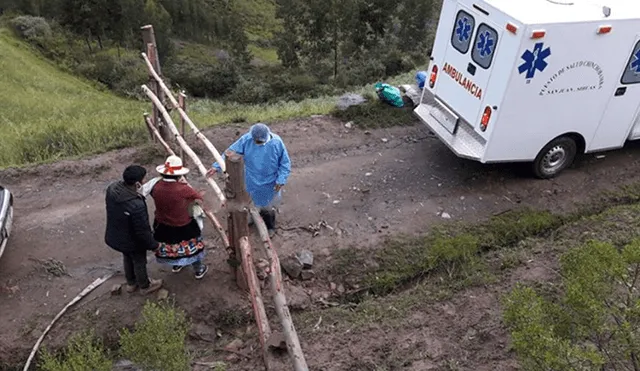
(467, 65)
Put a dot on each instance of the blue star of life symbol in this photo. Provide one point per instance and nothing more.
(534, 60)
(463, 30)
(635, 65)
(485, 44)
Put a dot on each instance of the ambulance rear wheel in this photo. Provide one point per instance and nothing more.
(555, 157)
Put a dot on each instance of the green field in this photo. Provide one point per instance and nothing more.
(47, 114)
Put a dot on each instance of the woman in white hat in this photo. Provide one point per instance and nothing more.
(173, 224)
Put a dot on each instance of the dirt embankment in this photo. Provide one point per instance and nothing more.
(365, 185)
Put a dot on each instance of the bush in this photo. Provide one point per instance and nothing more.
(31, 28)
(293, 85)
(251, 91)
(159, 339)
(211, 79)
(123, 74)
(377, 114)
(593, 324)
(82, 353)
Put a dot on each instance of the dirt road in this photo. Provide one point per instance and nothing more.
(366, 185)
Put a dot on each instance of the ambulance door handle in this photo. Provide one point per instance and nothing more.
(471, 69)
(620, 91)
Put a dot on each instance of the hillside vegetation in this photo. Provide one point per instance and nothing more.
(47, 114)
(244, 51)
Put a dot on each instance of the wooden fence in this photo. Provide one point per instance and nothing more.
(235, 201)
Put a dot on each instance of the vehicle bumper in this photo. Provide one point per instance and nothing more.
(6, 220)
(464, 143)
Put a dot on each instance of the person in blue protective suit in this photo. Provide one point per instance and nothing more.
(267, 168)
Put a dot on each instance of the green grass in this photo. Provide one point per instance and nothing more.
(48, 115)
(376, 114)
(407, 273)
(456, 250)
(267, 55)
(208, 112)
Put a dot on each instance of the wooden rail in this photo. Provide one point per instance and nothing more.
(238, 206)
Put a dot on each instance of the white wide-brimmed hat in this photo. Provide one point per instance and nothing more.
(172, 166)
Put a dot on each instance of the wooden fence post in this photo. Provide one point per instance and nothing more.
(237, 204)
(151, 48)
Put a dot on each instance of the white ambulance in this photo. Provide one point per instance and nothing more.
(534, 80)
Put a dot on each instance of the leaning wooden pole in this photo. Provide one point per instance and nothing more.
(280, 301)
(155, 133)
(212, 218)
(182, 102)
(183, 114)
(183, 144)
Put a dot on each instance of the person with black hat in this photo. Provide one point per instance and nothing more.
(128, 230)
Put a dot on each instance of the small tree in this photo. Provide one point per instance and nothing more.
(593, 325)
(159, 339)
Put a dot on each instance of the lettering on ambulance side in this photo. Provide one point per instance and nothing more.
(465, 82)
(555, 86)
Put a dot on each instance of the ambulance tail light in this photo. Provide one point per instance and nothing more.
(486, 116)
(538, 34)
(604, 29)
(434, 76)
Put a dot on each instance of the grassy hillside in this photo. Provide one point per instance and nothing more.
(47, 114)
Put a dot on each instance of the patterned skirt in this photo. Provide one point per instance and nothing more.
(181, 245)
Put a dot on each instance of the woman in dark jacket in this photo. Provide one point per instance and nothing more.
(173, 225)
(128, 230)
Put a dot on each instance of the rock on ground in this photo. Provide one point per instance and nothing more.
(350, 99)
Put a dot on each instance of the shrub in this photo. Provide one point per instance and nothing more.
(159, 339)
(593, 324)
(123, 74)
(82, 353)
(293, 85)
(31, 28)
(377, 114)
(251, 91)
(201, 78)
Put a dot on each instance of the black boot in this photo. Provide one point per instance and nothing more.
(269, 217)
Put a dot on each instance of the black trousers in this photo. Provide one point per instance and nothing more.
(135, 269)
(269, 217)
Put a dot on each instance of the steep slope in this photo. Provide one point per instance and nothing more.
(46, 113)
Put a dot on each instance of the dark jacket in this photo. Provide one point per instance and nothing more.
(128, 228)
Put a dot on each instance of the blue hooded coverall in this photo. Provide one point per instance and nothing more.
(266, 165)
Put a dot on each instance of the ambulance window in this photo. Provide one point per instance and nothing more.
(631, 74)
(484, 46)
(462, 31)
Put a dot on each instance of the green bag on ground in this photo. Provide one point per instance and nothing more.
(389, 94)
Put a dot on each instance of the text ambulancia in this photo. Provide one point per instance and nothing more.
(534, 80)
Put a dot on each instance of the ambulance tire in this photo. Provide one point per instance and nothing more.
(555, 157)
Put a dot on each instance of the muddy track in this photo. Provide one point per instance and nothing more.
(367, 186)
